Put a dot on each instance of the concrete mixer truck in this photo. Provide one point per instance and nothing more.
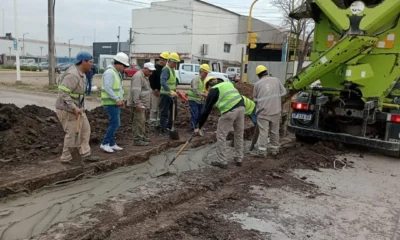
(356, 58)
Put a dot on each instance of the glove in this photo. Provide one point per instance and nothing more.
(173, 93)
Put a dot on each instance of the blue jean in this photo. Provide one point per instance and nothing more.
(195, 111)
(89, 85)
(253, 117)
(114, 113)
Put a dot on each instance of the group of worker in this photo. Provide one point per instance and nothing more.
(153, 91)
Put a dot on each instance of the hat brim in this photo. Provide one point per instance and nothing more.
(172, 60)
(152, 69)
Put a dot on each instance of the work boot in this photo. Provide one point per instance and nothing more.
(219, 164)
(91, 158)
(140, 143)
(238, 162)
(164, 133)
(258, 154)
(146, 139)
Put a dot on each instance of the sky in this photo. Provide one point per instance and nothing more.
(86, 21)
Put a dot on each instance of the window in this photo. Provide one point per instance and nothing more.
(197, 69)
(141, 62)
(227, 48)
(187, 68)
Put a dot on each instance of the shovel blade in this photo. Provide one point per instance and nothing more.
(160, 173)
(174, 135)
(76, 156)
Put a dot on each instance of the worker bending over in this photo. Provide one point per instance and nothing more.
(155, 86)
(168, 94)
(267, 95)
(250, 109)
(197, 95)
(231, 105)
(139, 101)
(70, 104)
(112, 96)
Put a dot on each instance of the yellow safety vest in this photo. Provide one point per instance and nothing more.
(105, 98)
(171, 82)
(249, 106)
(228, 97)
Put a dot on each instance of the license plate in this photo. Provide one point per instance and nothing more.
(302, 116)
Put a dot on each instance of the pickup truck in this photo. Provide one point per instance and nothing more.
(129, 72)
(187, 71)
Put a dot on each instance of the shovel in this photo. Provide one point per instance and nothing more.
(74, 151)
(173, 134)
(255, 137)
(165, 170)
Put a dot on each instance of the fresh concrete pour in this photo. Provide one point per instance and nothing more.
(29, 216)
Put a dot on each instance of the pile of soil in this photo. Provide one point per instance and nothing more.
(245, 89)
(28, 133)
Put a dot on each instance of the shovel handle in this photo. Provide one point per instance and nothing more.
(78, 123)
(173, 109)
(181, 150)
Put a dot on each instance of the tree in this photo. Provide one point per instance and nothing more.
(301, 29)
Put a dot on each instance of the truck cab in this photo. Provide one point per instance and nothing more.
(187, 71)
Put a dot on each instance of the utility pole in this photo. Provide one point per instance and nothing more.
(52, 62)
(119, 28)
(94, 35)
(130, 44)
(246, 63)
(23, 43)
(41, 51)
(16, 43)
(9, 58)
(4, 33)
(69, 48)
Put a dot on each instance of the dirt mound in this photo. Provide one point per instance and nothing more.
(29, 132)
(245, 89)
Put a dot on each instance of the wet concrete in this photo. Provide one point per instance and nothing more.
(26, 216)
(22, 98)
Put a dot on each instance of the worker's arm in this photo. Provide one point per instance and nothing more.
(195, 86)
(164, 78)
(255, 93)
(66, 87)
(136, 88)
(108, 81)
(212, 99)
(282, 89)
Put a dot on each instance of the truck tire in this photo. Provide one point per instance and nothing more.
(306, 139)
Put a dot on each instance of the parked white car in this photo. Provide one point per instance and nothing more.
(187, 71)
(233, 73)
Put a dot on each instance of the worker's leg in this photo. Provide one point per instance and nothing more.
(114, 123)
(275, 122)
(238, 126)
(85, 136)
(68, 122)
(155, 106)
(165, 107)
(139, 122)
(194, 113)
(89, 86)
(263, 127)
(225, 124)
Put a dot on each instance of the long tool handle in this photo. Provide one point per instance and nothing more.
(181, 150)
(255, 137)
(77, 128)
(173, 110)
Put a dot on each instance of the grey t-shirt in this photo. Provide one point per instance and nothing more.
(267, 95)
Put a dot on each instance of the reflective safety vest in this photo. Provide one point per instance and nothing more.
(228, 97)
(192, 95)
(105, 98)
(249, 106)
(171, 82)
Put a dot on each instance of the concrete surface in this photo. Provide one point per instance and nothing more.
(22, 98)
(355, 203)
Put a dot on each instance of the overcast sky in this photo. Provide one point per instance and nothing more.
(85, 20)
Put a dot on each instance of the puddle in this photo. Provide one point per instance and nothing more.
(28, 216)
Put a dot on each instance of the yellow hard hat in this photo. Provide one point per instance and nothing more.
(174, 57)
(260, 69)
(164, 55)
(206, 81)
(205, 67)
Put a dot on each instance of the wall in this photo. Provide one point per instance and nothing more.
(32, 48)
(210, 26)
(166, 18)
(108, 48)
(267, 33)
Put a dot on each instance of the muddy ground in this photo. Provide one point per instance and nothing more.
(193, 205)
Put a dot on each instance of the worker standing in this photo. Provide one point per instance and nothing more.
(168, 93)
(155, 86)
(89, 80)
(112, 96)
(267, 95)
(231, 105)
(70, 104)
(139, 101)
(197, 94)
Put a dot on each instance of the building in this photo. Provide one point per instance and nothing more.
(198, 31)
(38, 49)
(103, 52)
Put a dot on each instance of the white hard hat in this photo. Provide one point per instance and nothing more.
(122, 58)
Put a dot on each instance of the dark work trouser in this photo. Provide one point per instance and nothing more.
(166, 111)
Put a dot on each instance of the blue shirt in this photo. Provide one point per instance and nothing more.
(164, 78)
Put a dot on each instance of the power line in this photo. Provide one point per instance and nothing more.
(206, 34)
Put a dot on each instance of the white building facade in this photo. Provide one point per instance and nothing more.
(196, 30)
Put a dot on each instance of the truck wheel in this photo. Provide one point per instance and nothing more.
(306, 139)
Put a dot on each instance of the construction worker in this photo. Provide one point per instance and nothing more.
(112, 96)
(139, 101)
(197, 94)
(250, 109)
(267, 95)
(231, 105)
(168, 94)
(155, 86)
(70, 104)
